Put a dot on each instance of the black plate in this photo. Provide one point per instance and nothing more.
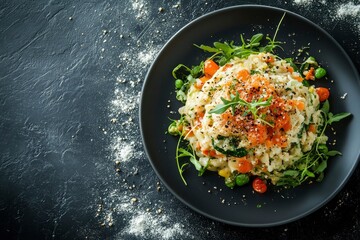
(207, 194)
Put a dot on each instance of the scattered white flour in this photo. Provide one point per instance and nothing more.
(140, 8)
(145, 224)
(135, 210)
(306, 3)
(123, 150)
(147, 56)
(140, 217)
(124, 107)
(125, 102)
(348, 10)
(303, 2)
(350, 13)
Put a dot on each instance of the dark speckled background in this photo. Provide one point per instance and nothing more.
(62, 66)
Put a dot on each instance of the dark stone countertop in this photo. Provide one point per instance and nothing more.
(72, 163)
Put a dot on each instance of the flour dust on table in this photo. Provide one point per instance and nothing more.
(131, 202)
(347, 12)
(133, 206)
(350, 13)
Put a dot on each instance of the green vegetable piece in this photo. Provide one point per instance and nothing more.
(181, 96)
(173, 129)
(179, 83)
(238, 152)
(320, 72)
(292, 64)
(242, 179)
(230, 181)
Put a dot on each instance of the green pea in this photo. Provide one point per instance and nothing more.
(179, 83)
(320, 72)
(230, 181)
(242, 179)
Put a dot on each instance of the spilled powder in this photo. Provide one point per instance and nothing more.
(146, 57)
(349, 10)
(123, 150)
(131, 204)
(350, 13)
(145, 224)
(307, 2)
(302, 2)
(140, 8)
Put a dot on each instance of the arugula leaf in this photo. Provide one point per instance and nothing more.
(225, 51)
(252, 107)
(185, 153)
(337, 117)
(321, 166)
(182, 152)
(207, 48)
(255, 40)
(291, 173)
(308, 173)
(333, 153)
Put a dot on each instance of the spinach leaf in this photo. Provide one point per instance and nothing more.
(236, 152)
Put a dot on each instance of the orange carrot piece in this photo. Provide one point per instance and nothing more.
(210, 68)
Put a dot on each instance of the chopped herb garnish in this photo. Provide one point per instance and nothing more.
(251, 107)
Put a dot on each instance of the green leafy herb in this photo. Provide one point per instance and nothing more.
(337, 117)
(235, 152)
(182, 152)
(251, 107)
(224, 52)
(182, 166)
(185, 153)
